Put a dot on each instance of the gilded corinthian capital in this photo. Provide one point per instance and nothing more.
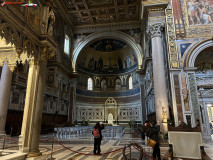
(155, 30)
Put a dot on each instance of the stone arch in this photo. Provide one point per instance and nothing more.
(118, 35)
(196, 50)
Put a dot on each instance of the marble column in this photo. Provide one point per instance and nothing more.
(71, 116)
(160, 89)
(34, 149)
(5, 84)
(26, 137)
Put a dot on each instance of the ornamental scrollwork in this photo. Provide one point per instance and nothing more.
(155, 30)
(173, 55)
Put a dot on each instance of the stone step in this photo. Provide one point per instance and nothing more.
(14, 156)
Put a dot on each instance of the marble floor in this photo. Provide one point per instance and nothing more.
(111, 147)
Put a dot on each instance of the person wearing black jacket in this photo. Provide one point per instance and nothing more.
(97, 141)
(153, 133)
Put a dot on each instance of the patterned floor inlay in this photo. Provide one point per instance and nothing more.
(62, 150)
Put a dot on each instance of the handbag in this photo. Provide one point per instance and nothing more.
(151, 142)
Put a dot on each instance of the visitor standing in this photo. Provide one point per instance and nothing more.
(97, 137)
(153, 133)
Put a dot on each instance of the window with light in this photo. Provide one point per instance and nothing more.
(89, 85)
(130, 83)
(66, 45)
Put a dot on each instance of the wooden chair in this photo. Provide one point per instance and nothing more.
(185, 143)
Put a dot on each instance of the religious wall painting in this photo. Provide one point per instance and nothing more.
(200, 12)
(197, 17)
(108, 45)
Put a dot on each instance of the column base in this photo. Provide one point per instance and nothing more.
(39, 157)
(34, 154)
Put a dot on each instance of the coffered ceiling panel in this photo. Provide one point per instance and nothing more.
(90, 12)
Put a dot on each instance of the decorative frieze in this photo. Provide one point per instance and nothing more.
(178, 97)
(171, 37)
(194, 97)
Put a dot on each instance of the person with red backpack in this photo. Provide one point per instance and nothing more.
(97, 137)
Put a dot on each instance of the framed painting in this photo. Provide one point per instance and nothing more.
(198, 12)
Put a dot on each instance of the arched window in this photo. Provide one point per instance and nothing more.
(89, 84)
(104, 84)
(130, 83)
(67, 45)
(118, 84)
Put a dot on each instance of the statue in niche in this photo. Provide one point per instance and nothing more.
(120, 63)
(164, 114)
(51, 21)
(110, 118)
(185, 98)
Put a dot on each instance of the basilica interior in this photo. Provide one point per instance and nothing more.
(66, 65)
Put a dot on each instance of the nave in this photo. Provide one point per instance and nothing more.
(82, 143)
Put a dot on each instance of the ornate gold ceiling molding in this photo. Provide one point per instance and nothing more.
(152, 6)
(107, 27)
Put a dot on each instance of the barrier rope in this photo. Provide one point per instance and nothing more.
(45, 140)
(12, 140)
(145, 154)
(85, 153)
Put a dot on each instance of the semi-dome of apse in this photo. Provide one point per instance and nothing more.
(107, 56)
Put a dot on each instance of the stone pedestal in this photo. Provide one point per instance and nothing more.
(160, 89)
(5, 84)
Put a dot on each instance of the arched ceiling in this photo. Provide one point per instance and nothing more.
(205, 56)
(204, 61)
(90, 12)
(107, 56)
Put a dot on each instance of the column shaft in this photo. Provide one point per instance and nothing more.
(30, 107)
(160, 89)
(5, 85)
(34, 149)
